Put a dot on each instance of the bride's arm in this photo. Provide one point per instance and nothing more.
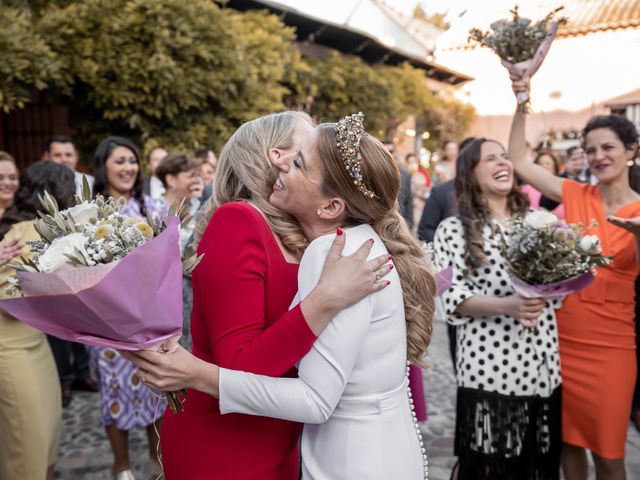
(323, 372)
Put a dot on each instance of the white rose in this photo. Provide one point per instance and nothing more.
(540, 218)
(53, 258)
(83, 212)
(590, 244)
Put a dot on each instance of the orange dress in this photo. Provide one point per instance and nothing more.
(596, 329)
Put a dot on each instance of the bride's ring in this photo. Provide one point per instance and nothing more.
(377, 277)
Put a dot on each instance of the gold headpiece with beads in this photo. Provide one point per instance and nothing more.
(349, 133)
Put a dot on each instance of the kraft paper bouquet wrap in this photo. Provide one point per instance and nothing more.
(103, 279)
(521, 45)
(549, 258)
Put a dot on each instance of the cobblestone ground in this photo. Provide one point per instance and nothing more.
(438, 430)
(85, 453)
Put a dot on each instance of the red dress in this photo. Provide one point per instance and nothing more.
(242, 290)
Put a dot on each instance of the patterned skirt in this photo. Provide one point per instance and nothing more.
(125, 400)
(501, 437)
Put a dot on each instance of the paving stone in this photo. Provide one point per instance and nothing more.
(85, 453)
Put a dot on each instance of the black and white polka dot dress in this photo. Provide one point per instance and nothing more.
(508, 376)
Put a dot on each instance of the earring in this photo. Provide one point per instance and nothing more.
(318, 212)
(631, 163)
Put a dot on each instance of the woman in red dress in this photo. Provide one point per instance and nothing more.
(242, 291)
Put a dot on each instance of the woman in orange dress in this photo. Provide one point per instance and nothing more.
(596, 325)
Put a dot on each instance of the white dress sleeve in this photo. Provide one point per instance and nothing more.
(323, 373)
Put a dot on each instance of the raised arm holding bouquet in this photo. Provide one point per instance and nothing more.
(521, 46)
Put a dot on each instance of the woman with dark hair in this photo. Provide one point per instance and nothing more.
(178, 173)
(30, 398)
(183, 185)
(508, 372)
(126, 402)
(596, 325)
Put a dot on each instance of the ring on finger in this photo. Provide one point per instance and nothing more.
(378, 277)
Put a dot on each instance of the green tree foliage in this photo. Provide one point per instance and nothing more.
(181, 74)
(186, 74)
(338, 85)
(26, 61)
(437, 19)
(446, 119)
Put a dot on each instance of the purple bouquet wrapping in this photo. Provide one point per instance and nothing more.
(549, 258)
(134, 303)
(551, 290)
(102, 278)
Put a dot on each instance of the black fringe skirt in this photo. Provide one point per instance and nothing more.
(502, 437)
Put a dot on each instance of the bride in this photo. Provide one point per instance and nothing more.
(352, 387)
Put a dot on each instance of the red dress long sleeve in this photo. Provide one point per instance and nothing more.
(242, 290)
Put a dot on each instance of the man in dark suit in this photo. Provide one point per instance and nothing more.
(441, 204)
(405, 198)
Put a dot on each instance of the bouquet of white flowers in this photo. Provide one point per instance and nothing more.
(548, 257)
(102, 278)
(520, 44)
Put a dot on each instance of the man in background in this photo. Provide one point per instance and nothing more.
(71, 358)
(61, 149)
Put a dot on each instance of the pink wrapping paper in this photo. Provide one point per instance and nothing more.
(550, 290)
(443, 280)
(526, 69)
(133, 305)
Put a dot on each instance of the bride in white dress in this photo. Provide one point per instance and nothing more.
(352, 387)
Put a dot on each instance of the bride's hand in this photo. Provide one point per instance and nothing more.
(173, 371)
(346, 280)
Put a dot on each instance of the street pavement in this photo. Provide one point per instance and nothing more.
(85, 452)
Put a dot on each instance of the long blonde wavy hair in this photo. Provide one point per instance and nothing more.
(244, 172)
(381, 174)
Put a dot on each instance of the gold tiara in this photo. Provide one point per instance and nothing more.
(349, 133)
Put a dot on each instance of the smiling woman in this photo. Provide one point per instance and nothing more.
(596, 325)
(126, 403)
(8, 181)
(508, 401)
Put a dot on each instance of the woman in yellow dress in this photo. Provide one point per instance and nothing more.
(30, 399)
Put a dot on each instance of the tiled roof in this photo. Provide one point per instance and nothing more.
(630, 98)
(586, 16)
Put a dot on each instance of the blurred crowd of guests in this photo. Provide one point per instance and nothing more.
(116, 169)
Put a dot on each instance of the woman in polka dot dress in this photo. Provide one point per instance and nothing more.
(508, 423)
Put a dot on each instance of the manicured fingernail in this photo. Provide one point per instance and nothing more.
(390, 257)
(388, 282)
(339, 231)
(371, 240)
(391, 267)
